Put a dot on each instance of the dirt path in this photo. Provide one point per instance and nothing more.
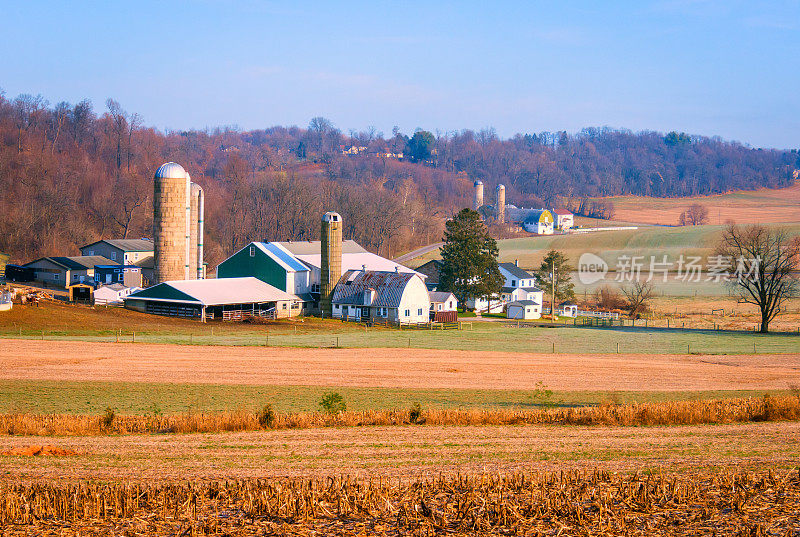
(407, 451)
(401, 368)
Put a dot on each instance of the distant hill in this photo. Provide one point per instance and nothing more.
(70, 175)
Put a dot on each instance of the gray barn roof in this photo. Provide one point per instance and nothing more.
(439, 296)
(388, 286)
(127, 245)
(313, 247)
(78, 262)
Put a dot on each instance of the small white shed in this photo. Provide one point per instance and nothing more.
(524, 309)
(112, 295)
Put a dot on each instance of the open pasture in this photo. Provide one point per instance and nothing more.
(393, 367)
(742, 207)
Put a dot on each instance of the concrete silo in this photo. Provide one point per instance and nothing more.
(331, 262)
(500, 206)
(171, 213)
(478, 195)
(196, 232)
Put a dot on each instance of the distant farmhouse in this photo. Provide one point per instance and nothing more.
(122, 251)
(540, 221)
(518, 285)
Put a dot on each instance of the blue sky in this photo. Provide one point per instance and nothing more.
(726, 68)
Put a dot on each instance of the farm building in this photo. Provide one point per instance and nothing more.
(226, 299)
(431, 272)
(113, 294)
(295, 267)
(539, 221)
(3, 260)
(63, 271)
(564, 219)
(381, 295)
(81, 292)
(518, 285)
(147, 266)
(122, 251)
(443, 301)
(524, 309)
(127, 275)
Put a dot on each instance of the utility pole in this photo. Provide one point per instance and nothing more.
(553, 295)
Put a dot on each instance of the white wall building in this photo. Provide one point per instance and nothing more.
(112, 295)
(381, 295)
(443, 301)
(524, 309)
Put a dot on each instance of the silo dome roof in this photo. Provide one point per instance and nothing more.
(171, 170)
(331, 216)
(501, 187)
(478, 182)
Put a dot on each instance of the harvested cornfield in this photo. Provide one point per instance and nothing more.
(708, 411)
(565, 503)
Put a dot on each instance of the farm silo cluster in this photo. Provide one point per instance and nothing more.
(178, 208)
(540, 221)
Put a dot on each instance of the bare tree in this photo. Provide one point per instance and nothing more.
(695, 215)
(765, 261)
(608, 298)
(638, 296)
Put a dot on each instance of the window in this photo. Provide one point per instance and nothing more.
(513, 283)
(419, 311)
(252, 251)
(113, 256)
(439, 307)
(283, 306)
(55, 276)
(408, 313)
(315, 288)
(336, 307)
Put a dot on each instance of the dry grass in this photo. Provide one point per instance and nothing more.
(743, 207)
(411, 368)
(768, 408)
(564, 503)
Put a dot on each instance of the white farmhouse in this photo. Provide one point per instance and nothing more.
(396, 296)
(517, 285)
(564, 219)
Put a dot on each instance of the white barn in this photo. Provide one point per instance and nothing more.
(396, 296)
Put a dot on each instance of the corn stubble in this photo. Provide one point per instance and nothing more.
(638, 414)
(548, 503)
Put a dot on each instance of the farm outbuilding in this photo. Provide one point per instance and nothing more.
(443, 301)
(539, 221)
(113, 294)
(228, 299)
(81, 292)
(3, 260)
(524, 309)
(64, 271)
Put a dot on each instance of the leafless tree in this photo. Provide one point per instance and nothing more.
(765, 262)
(695, 215)
(638, 296)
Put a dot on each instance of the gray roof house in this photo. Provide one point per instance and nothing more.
(124, 251)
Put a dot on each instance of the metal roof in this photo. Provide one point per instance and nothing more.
(282, 256)
(216, 292)
(314, 247)
(147, 262)
(439, 296)
(170, 170)
(356, 261)
(127, 245)
(388, 287)
(536, 215)
(515, 271)
(523, 303)
(79, 262)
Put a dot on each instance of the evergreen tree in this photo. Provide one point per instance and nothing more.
(469, 258)
(564, 288)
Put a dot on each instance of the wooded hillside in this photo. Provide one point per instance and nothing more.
(70, 174)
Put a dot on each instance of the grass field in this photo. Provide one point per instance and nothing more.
(742, 207)
(610, 245)
(93, 397)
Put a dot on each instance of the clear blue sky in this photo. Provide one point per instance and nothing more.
(729, 68)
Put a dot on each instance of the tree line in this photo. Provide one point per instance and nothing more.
(70, 174)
